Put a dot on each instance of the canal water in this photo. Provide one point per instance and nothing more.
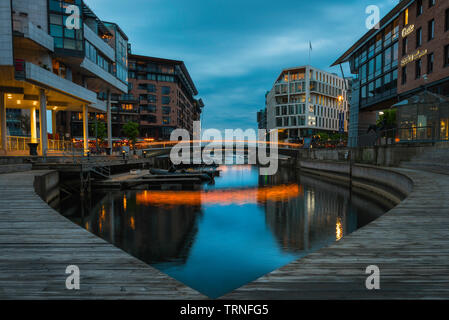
(230, 232)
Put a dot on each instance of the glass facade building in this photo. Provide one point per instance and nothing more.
(374, 64)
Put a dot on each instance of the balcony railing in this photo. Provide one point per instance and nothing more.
(22, 25)
(424, 134)
(21, 145)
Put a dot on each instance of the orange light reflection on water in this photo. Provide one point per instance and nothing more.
(219, 197)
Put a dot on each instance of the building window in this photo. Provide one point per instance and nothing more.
(395, 54)
(446, 20)
(404, 46)
(166, 110)
(278, 122)
(430, 58)
(419, 8)
(419, 38)
(165, 100)
(166, 120)
(418, 65)
(431, 30)
(431, 3)
(404, 75)
(446, 56)
(165, 90)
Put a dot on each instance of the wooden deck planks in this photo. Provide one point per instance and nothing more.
(410, 245)
(37, 244)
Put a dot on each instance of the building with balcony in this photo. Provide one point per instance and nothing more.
(48, 64)
(161, 98)
(407, 55)
(305, 101)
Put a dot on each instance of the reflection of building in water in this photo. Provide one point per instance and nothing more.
(322, 214)
(306, 222)
(283, 176)
(151, 233)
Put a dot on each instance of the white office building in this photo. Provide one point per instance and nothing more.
(305, 100)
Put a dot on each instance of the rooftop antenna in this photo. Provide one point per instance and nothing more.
(310, 50)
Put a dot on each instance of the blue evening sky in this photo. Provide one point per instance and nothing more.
(235, 49)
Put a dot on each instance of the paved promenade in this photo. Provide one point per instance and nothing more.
(410, 245)
(37, 244)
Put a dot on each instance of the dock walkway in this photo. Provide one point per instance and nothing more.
(409, 244)
(37, 244)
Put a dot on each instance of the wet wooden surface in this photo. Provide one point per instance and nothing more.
(37, 244)
(409, 244)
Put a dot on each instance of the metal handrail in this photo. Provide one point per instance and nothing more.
(411, 134)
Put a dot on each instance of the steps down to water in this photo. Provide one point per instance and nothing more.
(14, 164)
(434, 160)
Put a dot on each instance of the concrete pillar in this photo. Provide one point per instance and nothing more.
(33, 122)
(3, 128)
(109, 119)
(53, 123)
(43, 122)
(86, 128)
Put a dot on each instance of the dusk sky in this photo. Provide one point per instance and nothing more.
(235, 49)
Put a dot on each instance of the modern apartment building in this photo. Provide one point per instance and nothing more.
(262, 119)
(57, 56)
(161, 98)
(305, 101)
(408, 54)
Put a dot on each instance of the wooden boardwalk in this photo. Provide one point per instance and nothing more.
(37, 244)
(410, 245)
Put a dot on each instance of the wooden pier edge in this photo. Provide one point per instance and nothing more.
(37, 244)
(409, 244)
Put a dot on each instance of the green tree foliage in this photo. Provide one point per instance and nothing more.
(101, 131)
(387, 120)
(131, 131)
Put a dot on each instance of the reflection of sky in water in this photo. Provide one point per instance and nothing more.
(238, 176)
(231, 247)
(231, 233)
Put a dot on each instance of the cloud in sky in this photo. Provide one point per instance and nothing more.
(235, 49)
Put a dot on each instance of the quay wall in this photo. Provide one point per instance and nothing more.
(385, 182)
(47, 186)
(387, 155)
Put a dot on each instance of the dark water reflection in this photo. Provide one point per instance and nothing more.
(230, 233)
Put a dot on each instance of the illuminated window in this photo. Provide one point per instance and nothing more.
(127, 107)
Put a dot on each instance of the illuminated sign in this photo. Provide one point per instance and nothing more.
(412, 57)
(407, 30)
